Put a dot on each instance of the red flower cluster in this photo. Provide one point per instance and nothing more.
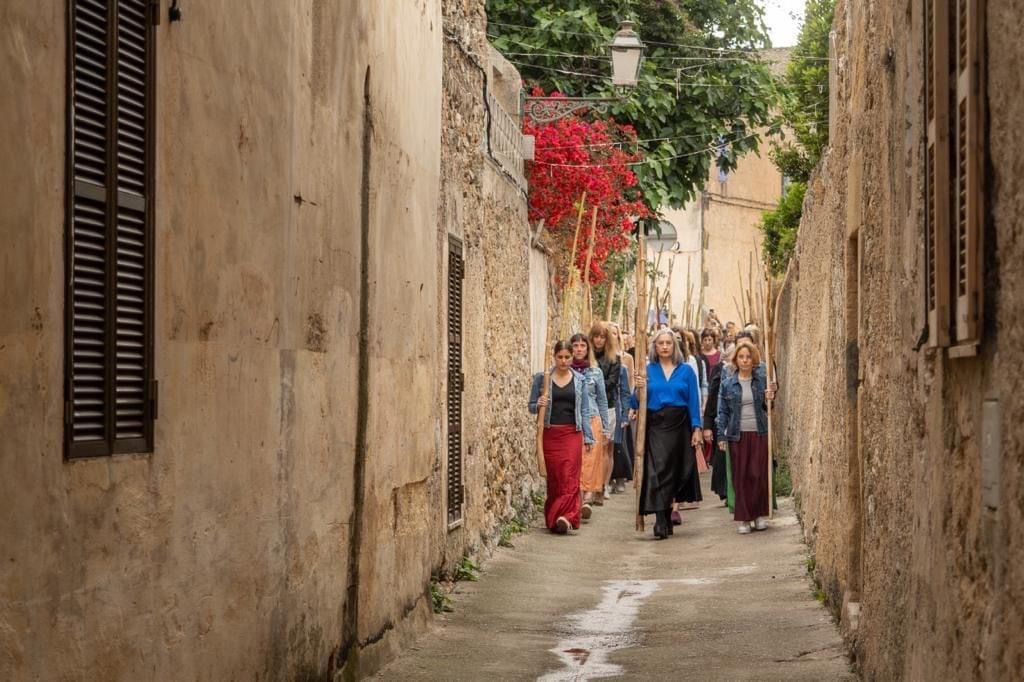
(573, 156)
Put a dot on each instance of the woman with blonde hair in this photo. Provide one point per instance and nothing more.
(616, 387)
(742, 426)
(592, 473)
(622, 461)
(673, 428)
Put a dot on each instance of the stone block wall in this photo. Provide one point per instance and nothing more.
(884, 436)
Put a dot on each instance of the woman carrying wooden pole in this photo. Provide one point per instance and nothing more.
(561, 402)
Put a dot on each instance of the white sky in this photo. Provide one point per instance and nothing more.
(783, 18)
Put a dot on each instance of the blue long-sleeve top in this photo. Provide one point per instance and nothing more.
(681, 389)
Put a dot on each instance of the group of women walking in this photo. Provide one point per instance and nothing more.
(706, 405)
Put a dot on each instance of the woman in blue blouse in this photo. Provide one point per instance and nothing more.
(673, 428)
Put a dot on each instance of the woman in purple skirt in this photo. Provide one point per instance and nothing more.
(742, 424)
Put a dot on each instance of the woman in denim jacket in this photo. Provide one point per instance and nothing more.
(592, 475)
(567, 435)
(742, 426)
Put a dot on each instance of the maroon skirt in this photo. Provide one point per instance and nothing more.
(749, 459)
(563, 457)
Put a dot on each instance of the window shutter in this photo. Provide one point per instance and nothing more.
(456, 272)
(132, 359)
(969, 216)
(109, 244)
(937, 170)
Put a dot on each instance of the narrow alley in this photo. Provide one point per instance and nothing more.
(608, 602)
(309, 307)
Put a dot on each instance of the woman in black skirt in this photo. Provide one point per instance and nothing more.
(673, 428)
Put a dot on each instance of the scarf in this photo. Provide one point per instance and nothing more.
(581, 366)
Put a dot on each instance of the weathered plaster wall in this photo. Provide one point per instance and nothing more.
(224, 554)
(732, 213)
(895, 509)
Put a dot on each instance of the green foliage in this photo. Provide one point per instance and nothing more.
(782, 483)
(810, 563)
(439, 599)
(466, 570)
(780, 227)
(509, 531)
(699, 82)
(805, 94)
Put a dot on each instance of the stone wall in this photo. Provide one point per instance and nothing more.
(484, 207)
(886, 454)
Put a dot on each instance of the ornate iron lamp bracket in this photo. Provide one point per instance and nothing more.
(549, 109)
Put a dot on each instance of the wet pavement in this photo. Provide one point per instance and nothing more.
(607, 602)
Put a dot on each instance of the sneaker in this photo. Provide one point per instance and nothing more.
(743, 528)
(677, 519)
(620, 486)
(607, 492)
(586, 510)
(761, 523)
(562, 525)
(598, 500)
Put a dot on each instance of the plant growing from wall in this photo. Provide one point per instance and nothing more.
(780, 228)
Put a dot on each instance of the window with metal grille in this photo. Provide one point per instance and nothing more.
(110, 395)
(455, 489)
(954, 172)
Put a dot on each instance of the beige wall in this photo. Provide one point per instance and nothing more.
(891, 494)
(224, 554)
(729, 220)
(732, 213)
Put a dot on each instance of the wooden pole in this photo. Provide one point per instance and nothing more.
(568, 290)
(542, 412)
(609, 302)
(586, 302)
(641, 369)
(768, 376)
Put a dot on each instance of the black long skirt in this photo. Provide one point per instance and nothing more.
(623, 463)
(668, 458)
(719, 476)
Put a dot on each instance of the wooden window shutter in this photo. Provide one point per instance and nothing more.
(455, 489)
(970, 168)
(110, 395)
(937, 172)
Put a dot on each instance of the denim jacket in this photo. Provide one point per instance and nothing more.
(594, 379)
(730, 402)
(582, 404)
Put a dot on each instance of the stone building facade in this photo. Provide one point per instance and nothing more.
(310, 161)
(906, 449)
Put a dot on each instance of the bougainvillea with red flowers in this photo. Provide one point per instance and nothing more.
(573, 156)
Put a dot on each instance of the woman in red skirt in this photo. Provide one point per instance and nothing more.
(566, 434)
(742, 423)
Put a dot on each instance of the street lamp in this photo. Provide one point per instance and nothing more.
(627, 51)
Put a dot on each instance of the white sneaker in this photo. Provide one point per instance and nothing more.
(607, 492)
(620, 486)
(743, 528)
(761, 523)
